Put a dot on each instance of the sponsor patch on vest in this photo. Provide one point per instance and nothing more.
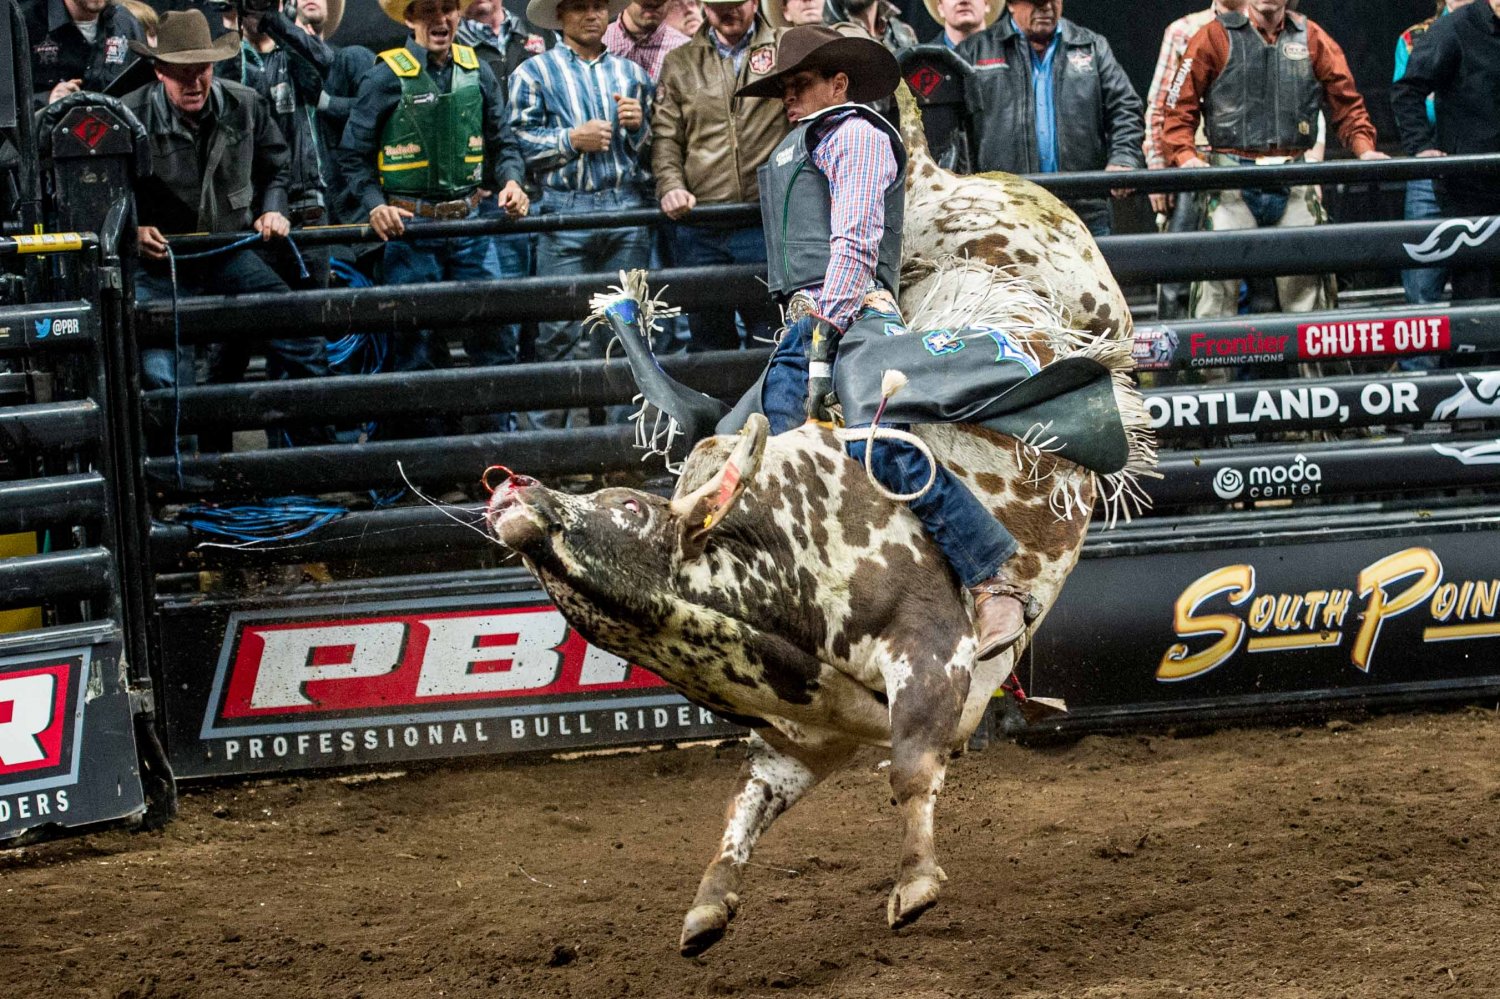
(1294, 50)
(785, 156)
(762, 58)
(428, 98)
(405, 149)
(999, 63)
(1081, 60)
(535, 44)
(940, 342)
(45, 51)
(114, 49)
(476, 142)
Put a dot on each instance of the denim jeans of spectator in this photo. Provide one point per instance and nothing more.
(707, 246)
(587, 251)
(423, 261)
(241, 272)
(494, 345)
(974, 542)
(1423, 284)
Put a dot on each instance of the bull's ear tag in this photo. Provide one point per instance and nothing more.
(710, 503)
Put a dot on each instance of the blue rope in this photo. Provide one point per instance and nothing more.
(282, 518)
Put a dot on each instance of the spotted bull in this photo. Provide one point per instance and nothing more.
(781, 589)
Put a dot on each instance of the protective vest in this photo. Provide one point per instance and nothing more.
(796, 209)
(432, 145)
(1267, 97)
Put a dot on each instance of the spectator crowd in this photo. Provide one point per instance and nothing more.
(590, 107)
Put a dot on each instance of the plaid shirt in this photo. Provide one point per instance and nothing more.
(648, 53)
(859, 163)
(1173, 46)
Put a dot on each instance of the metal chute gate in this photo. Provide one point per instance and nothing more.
(1283, 568)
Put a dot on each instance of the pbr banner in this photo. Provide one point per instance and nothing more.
(1253, 626)
(67, 748)
(388, 679)
(1331, 404)
(1319, 336)
(1344, 469)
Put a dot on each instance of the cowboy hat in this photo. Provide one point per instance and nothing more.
(182, 38)
(872, 70)
(543, 13)
(991, 15)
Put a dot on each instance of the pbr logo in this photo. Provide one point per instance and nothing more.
(40, 706)
(1153, 347)
(391, 682)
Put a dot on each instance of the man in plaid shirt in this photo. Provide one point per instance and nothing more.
(844, 163)
(642, 35)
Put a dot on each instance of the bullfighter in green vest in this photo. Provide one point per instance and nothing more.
(427, 139)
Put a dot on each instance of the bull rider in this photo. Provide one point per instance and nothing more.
(833, 195)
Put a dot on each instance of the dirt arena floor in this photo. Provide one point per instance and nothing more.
(1338, 859)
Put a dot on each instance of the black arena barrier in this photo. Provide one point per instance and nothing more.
(1296, 572)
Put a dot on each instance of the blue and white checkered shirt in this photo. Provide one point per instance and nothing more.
(557, 91)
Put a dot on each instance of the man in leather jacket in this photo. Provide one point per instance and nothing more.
(1048, 96)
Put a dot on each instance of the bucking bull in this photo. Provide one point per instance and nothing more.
(782, 588)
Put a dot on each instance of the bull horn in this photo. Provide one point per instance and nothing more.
(699, 511)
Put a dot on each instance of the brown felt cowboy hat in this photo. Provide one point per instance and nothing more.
(543, 13)
(182, 38)
(872, 70)
(992, 14)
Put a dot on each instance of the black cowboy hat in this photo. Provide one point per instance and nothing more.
(872, 70)
(183, 38)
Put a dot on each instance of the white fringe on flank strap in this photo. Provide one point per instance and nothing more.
(969, 294)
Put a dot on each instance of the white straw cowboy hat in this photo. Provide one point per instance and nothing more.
(872, 70)
(991, 15)
(543, 13)
(394, 9)
(182, 38)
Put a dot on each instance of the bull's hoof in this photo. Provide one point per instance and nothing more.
(703, 927)
(912, 897)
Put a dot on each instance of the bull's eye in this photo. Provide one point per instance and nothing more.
(632, 506)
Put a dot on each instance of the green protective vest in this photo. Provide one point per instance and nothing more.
(432, 145)
(796, 209)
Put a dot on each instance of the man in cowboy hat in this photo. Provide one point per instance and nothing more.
(833, 196)
(706, 147)
(962, 18)
(219, 164)
(427, 138)
(1048, 95)
(583, 118)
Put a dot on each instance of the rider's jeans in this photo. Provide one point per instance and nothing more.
(968, 534)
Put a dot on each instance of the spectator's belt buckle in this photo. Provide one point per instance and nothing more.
(456, 209)
(1273, 160)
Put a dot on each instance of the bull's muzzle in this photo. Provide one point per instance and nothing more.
(511, 515)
